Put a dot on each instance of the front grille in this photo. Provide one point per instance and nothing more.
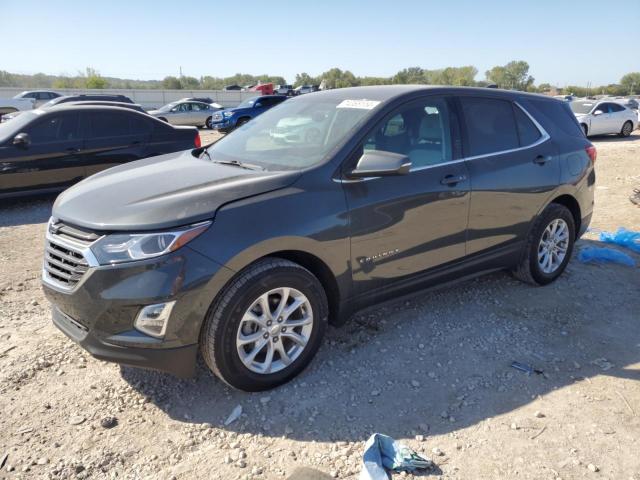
(64, 261)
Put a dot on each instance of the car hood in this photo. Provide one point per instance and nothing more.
(161, 192)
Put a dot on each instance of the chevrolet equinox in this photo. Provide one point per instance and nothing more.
(245, 250)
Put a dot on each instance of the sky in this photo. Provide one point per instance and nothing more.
(565, 42)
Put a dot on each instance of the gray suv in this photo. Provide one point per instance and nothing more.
(246, 250)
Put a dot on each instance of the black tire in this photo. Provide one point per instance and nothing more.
(529, 270)
(218, 335)
(585, 129)
(208, 123)
(242, 121)
(626, 129)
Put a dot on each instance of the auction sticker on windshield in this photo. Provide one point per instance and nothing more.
(361, 104)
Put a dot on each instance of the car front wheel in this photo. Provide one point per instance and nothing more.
(549, 246)
(266, 326)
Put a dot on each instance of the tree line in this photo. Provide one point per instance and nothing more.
(513, 76)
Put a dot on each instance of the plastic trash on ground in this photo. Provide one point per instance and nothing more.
(623, 237)
(605, 255)
(382, 452)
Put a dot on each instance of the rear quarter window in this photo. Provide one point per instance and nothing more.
(491, 125)
(554, 115)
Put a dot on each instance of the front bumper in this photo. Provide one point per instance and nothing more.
(177, 361)
(223, 125)
(99, 313)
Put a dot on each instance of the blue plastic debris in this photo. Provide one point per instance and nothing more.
(382, 452)
(605, 255)
(623, 237)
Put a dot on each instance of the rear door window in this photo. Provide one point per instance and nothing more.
(108, 124)
(527, 131)
(615, 107)
(55, 128)
(491, 125)
(139, 126)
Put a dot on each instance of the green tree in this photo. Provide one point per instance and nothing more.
(304, 79)
(513, 76)
(94, 80)
(171, 83)
(63, 81)
(189, 83)
(631, 83)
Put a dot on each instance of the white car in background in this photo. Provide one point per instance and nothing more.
(26, 100)
(604, 117)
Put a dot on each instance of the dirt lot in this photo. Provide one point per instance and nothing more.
(432, 369)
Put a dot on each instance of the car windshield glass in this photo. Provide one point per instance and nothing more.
(294, 135)
(15, 126)
(168, 106)
(51, 103)
(581, 107)
(248, 103)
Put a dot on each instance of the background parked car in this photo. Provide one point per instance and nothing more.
(208, 100)
(47, 150)
(287, 90)
(227, 120)
(132, 106)
(10, 105)
(105, 97)
(302, 89)
(40, 96)
(604, 117)
(232, 87)
(187, 113)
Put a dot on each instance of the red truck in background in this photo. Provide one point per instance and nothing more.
(264, 89)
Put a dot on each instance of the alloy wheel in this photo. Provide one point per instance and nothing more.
(553, 246)
(275, 330)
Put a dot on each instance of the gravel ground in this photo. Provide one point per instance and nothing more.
(431, 369)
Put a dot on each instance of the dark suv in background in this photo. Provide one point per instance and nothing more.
(245, 250)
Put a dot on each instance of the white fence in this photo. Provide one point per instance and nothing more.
(150, 99)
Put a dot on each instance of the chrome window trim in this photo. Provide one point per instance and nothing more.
(544, 136)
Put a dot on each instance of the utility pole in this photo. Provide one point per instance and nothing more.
(180, 72)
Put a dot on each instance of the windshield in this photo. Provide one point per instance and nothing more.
(294, 135)
(248, 103)
(168, 106)
(581, 107)
(15, 126)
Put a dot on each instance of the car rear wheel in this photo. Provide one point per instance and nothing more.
(208, 123)
(549, 246)
(266, 326)
(627, 128)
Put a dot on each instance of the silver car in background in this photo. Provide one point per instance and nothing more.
(601, 117)
(185, 112)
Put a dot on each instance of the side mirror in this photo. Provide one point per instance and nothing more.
(377, 163)
(598, 112)
(22, 140)
(258, 105)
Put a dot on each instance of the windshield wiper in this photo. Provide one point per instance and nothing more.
(237, 163)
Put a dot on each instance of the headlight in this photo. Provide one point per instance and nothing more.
(127, 247)
(228, 114)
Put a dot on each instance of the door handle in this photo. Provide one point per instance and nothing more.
(453, 179)
(541, 160)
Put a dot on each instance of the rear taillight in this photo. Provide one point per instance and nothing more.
(592, 152)
(197, 141)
